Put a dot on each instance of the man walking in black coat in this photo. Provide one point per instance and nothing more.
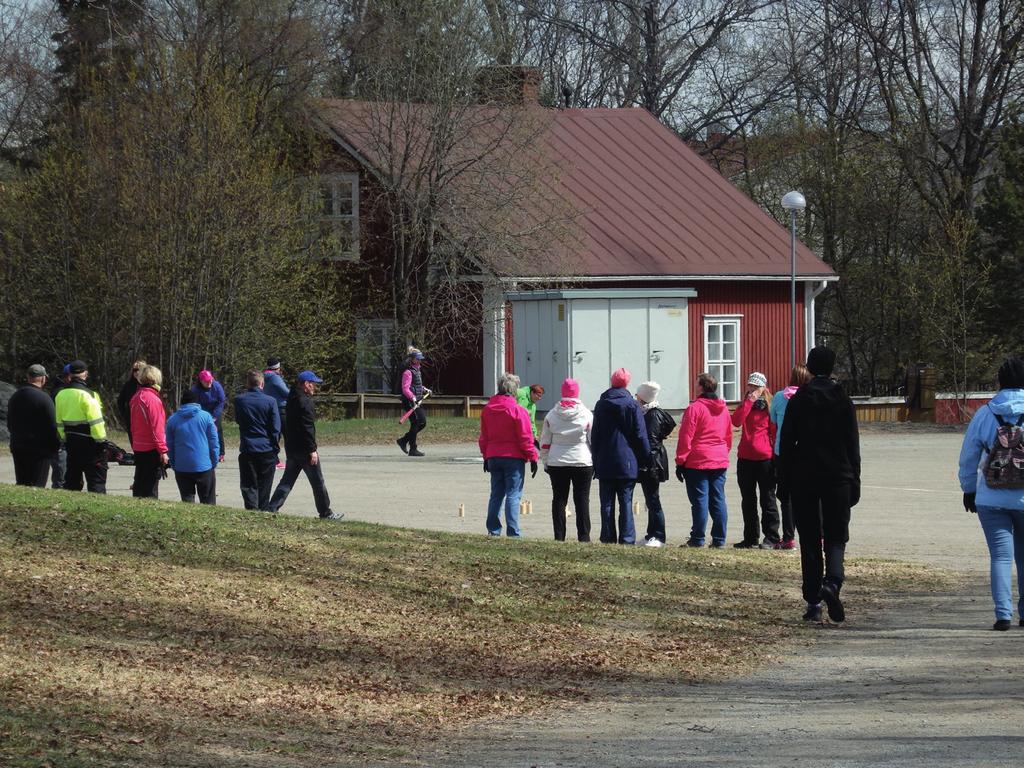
(32, 422)
(819, 455)
(301, 448)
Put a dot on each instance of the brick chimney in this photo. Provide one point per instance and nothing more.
(508, 85)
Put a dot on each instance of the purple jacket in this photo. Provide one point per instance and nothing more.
(210, 400)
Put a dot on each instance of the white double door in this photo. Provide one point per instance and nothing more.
(647, 336)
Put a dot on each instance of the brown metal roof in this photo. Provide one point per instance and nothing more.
(648, 205)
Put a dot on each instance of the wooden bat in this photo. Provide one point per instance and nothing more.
(407, 414)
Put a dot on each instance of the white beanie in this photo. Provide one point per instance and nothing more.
(648, 391)
(757, 379)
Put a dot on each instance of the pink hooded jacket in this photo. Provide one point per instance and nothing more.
(505, 430)
(758, 436)
(705, 435)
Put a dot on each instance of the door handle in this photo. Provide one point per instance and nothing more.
(656, 355)
(577, 357)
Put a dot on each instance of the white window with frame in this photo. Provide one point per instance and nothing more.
(722, 353)
(339, 212)
(373, 351)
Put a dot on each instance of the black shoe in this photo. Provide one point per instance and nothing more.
(402, 443)
(1001, 625)
(813, 613)
(692, 543)
(830, 594)
(333, 516)
(416, 452)
(745, 544)
(1020, 623)
(717, 545)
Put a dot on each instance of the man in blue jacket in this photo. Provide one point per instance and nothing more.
(275, 386)
(193, 449)
(259, 432)
(620, 448)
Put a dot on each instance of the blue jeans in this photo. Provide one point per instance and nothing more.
(507, 476)
(706, 490)
(1004, 532)
(610, 491)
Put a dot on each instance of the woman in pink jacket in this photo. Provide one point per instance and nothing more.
(754, 471)
(149, 438)
(702, 456)
(506, 442)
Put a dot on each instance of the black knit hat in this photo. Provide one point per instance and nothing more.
(1011, 373)
(821, 361)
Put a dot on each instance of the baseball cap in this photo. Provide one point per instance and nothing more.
(36, 370)
(77, 366)
(310, 376)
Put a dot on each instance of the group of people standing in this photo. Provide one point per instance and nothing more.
(798, 447)
(190, 443)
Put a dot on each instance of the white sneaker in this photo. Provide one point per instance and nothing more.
(654, 543)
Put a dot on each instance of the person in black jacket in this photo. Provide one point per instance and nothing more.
(659, 426)
(819, 457)
(124, 399)
(301, 449)
(32, 422)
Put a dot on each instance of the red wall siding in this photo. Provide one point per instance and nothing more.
(952, 412)
(764, 325)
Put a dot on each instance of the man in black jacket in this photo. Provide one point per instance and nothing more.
(32, 422)
(819, 457)
(301, 449)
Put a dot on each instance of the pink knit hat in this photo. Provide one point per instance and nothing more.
(570, 388)
(205, 377)
(621, 377)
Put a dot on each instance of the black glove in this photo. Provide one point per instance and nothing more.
(854, 494)
(679, 473)
(486, 468)
(533, 469)
(536, 443)
(969, 504)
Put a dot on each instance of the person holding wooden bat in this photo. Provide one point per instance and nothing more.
(413, 393)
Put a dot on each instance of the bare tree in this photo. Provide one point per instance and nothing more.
(946, 73)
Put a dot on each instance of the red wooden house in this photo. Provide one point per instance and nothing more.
(678, 271)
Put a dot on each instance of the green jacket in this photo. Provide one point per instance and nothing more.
(523, 398)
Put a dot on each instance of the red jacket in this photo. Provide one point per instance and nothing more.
(148, 420)
(505, 430)
(758, 436)
(705, 435)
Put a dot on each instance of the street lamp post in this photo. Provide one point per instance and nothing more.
(794, 203)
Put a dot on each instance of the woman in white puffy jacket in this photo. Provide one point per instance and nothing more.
(565, 451)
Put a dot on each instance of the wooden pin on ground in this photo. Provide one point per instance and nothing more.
(636, 507)
(522, 508)
(462, 510)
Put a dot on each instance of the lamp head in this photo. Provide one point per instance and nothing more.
(794, 201)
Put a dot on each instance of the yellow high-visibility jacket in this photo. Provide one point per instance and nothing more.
(80, 412)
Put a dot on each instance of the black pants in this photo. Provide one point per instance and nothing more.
(651, 487)
(821, 513)
(31, 468)
(148, 471)
(757, 478)
(202, 483)
(220, 436)
(579, 478)
(256, 478)
(85, 460)
(417, 423)
(314, 474)
(782, 495)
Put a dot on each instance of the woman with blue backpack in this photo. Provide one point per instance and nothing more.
(992, 479)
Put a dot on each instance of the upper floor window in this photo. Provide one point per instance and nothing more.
(339, 212)
(374, 339)
(722, 353)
